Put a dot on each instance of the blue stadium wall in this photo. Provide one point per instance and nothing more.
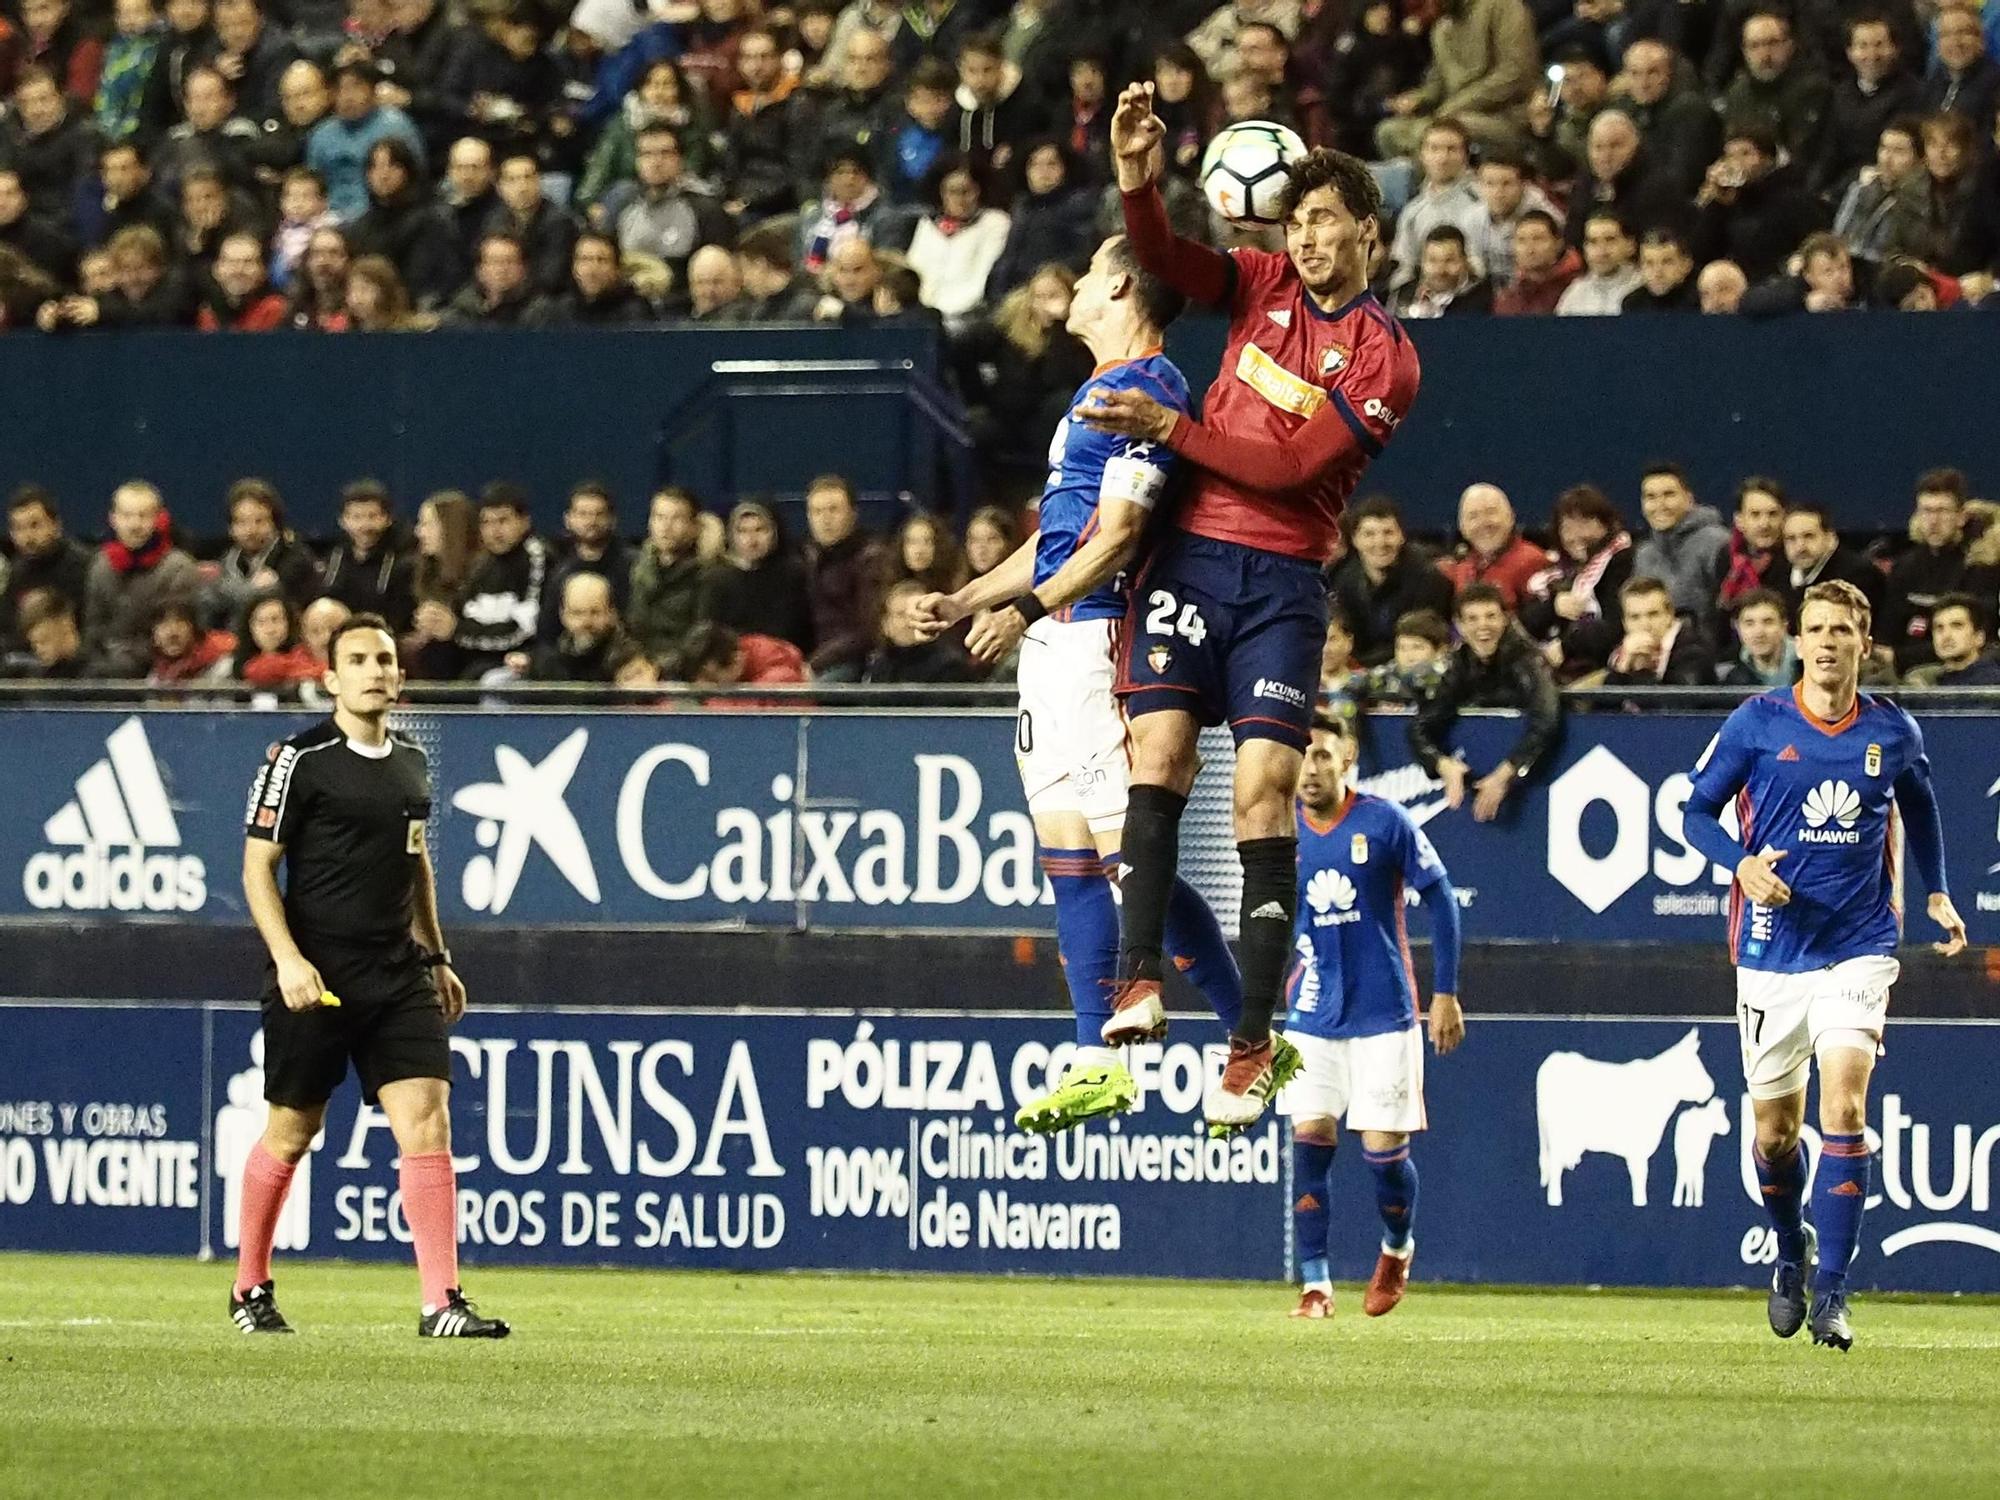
(1846, 409)
(763, 991)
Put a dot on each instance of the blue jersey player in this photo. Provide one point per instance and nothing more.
(1818, 774)
(1061, 597)
(1353, 1011)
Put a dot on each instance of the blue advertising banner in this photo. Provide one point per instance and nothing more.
(887, 822)
(1559, 1151)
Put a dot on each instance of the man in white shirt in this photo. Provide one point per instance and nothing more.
(1608, 253)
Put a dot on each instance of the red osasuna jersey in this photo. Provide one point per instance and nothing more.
(1287, 362)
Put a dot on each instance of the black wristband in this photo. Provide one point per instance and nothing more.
(1028, 607)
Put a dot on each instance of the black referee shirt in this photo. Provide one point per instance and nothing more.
(351, 820)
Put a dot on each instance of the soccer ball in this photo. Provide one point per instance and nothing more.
(1243, 170)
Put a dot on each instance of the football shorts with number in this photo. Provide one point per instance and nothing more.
(1229, 633)
(387, 1024)
(1069, 741)
(1780, 1018)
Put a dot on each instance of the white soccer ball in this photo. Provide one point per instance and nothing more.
(1243, 170)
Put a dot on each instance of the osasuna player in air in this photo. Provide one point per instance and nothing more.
(1819, 773)
(1228, 617)
(359, 972)
(1354, 1015)
(1061, 597)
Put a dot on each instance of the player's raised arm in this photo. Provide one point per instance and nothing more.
(1923, 833)
(1718, 776)
(1191, 269)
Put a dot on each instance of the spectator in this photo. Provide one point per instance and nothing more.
(589, 641)
(546, 233)
(1815, 555)
(268, 652)
(927, 552)
(263, 554)
(847, 570)
(1751, 209)
(1609, 276)
(317, 623)
(447, 533)
(505, 588)
(48, 628)
(45, 559)
(1964, 80)
(319, 297)
(879, 19)
(1907, 287)
(1565, 606)
(1868, 211)
(662, 98)
(1960, 628)
(1342, 680)
(58, 42)
(717, 656)
(996, 115)
(849, 207)
(598, 294)
(766, 132)
(1666, 275)
(128, 60)
(187, 40)
(902, 655)
(1484, 67)
(126, 197)
(760, 586)
(47, 249)
(340, 147)
(594, 546)
(1671, 112)
(1017, 370)
(1756, 541)
(1086, 122)
(957, 243)
(365, 571)
(1494, 666)
(1446, 285)
(1495, 552)
(861, 106)
(990, 539)
(302, 213)
(504, 82)
(715, 290)
(1935, 567)
(252, 56)
(1446, 195)
(210, 211)
(667, 219)
(24, 291)
(241, 300)
(1215, 38)
(1765, 656)
(773, 291)
(146, 293)
(1622, 179)
(1508, 196)
(852, 277)
(1049, 223)
(1721, 287)
(47, 142)
(1932, 207)
(467, 193)
(1686, 546)
(500, 294)
(1824, 281)
(406, 226)
(1776, 94)
(920, 136)
(1544, 267)
(668, 576)
(304, 99)
(1417, 670)
(1559, 117)
(416, 58)
(378, 302)
(1385, 578)
(1660, 648)
(183, 651)
(1862, 106)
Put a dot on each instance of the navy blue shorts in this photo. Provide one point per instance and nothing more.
(1230, 634)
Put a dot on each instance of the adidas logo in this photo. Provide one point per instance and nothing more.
(1282, 317)
(1789, 753)
(114, 828)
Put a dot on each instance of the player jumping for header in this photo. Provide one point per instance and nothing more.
(1354, 1014)
(1819, 773)
(1228, 618)
(1061, 597)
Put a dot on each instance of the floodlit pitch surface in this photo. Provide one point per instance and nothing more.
(123, 1377)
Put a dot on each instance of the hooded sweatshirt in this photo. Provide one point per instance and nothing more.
(1690, 559)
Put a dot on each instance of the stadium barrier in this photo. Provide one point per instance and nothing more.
(1560, 1151)
(850, 821)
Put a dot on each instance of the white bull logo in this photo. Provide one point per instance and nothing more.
(1620, 1109)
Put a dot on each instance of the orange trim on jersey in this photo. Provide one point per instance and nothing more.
(1403, 945)
(1825, 727)
(1112, 364)
(1745, 823)
(1346, 806)
(1891, 836)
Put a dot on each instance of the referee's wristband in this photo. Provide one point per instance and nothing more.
(1028, 607)
(438, 960)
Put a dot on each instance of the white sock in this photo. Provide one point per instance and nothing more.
(1409, 1248)
(1094, 1057)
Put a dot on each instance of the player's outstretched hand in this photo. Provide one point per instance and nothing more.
(933, 614)
(299, 984)
(995, 632)
(1447, 1023)
(1946, 916)
(1758, 875)
(451, 995)
(1135, 129)
(1128, 413)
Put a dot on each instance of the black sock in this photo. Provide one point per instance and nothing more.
(1270, 900)
(1151, 854)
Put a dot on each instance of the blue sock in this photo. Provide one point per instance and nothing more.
(1086, 935)
(1783, 1183)
(1395, 1193)
(1840, 1193)
(1197, 948)
(1312, 1167)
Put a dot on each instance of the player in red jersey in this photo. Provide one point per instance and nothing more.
(1229, 617)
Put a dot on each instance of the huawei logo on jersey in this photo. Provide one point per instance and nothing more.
(1330, 894)
(1831, 802)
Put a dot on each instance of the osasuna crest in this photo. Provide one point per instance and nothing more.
(1357, 851)
(1159, 656)
(1873, 763)
(1334, 359)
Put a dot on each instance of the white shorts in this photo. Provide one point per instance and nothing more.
(1373, 1082)
(1781, 1017)
(1069, 741)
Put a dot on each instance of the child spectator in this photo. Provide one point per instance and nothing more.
(128, 63)
(268, 651)
(1765, 656)
(912, 146)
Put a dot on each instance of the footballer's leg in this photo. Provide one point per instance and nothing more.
(1840, 1187)
(1314, 1138)
(1163, 767)
(1771, 1014)
(1387, 1153)
(267, 1179)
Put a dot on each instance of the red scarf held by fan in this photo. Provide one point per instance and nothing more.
(1745, 562)
(124, 560)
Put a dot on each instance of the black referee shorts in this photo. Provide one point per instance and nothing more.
(387, 1022)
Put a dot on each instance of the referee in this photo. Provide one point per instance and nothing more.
(359, 971)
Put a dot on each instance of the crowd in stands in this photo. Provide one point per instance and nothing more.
(397, 164)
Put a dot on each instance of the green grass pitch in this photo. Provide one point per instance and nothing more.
(123, 1377)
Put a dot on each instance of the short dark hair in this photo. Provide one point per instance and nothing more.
(1760, 484)
(126, 145)
(1451, 125)
(362, 621)
(257, 492)
(39, 606)
(1909, 125)
(1661, 466)
(850, 154)
(173, 608)
(500, 495)
(1870, 18)
(1283, 40)
(1338, 613)
(1814, 508)
(932, 74)
(1982, 617)
(1586, 502)
(769, 244)
(1159, 302)
(1446, 234)
(1756, 599)
(708, 645)
(355, 65)
(1661, 234)
(1822, 242)
(1942, 482)
(1542, 217)
(501, 237)
(1480, 592)
(34, 494)
(1347, 175)
(1325, 723)
(1425, 624)
(1644, 583)
(679, 494)
(831, 481)
(595, 487)
(1755, 132)
(983, 44)
(1608, 215)
(658, 127)
(1374, 508)
(1504, 156)
(367, 492)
